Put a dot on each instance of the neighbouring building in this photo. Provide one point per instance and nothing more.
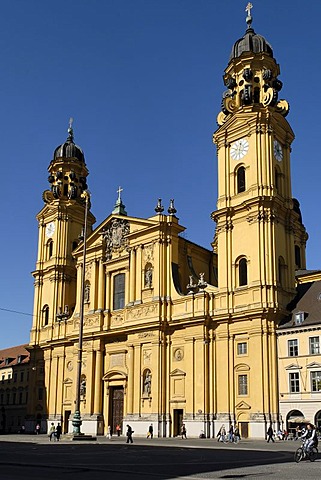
(174, 332)
(14, 388)
(299, 349)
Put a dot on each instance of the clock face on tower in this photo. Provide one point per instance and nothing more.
(239, 149)
(50, 229)
(278, 150)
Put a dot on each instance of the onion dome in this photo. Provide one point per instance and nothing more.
(251, 41)
(69, 149)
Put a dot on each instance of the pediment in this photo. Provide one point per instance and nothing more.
(114, 233)
(314, 365)
(114, 375)
(243, 406)
(241, 367)
(177, 373)
(293, 366)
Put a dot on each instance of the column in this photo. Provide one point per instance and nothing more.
(98, 384)
(130, 390)
(101, 286)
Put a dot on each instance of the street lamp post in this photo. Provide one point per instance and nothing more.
(76, 422)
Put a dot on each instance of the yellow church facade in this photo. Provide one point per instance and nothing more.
(171, 332)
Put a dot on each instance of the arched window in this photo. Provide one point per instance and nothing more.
(278, 180)
(119, 291)
(242, 272)
(240, 180)
(45, 315)
(297, 254)
(49, 249)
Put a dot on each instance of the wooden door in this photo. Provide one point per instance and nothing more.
(116, 412)
(244, 428)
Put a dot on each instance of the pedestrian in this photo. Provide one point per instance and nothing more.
(52, 432)
(58, 431)
(37, 429)
(270, 434)
(221, 434)
(109, 432)
(118, 430)
(183, 431)
(237, 434)
(230, 433)
(150, 432)
(129, 434)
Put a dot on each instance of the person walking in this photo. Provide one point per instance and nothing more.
(37, 428)
(129, 434)
(270, 434)
(183, 431)
(58, 431)
(230, 433)
(109, 432)
(221, 436)
(118, 430)
(52, 432)
(237, 435)
(150, 432)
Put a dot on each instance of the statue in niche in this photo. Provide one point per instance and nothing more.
(87, 292)
(148, 276)
(83, 386)
(147, 383)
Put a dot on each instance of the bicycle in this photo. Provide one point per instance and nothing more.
(301, 454)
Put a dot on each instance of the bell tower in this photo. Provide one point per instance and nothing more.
(60, 224)
(260, 238)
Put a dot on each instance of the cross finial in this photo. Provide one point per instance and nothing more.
(248, 9)
(119, 192)
(70, 129)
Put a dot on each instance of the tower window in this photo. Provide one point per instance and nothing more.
(119, 291)
(45, 315)
(276, 173)
(281, 271)
(49, 249)
(240, 179)
(297, 254)
(242, 272)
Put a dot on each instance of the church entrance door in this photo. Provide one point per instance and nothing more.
(244, 428)
(116, 407)
(66, 420)
(178, 421)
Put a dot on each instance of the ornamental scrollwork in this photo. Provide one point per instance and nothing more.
(115, 236)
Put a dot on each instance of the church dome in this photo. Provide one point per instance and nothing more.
(69, 149)
(251, 41)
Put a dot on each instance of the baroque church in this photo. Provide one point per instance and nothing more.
(136, 325)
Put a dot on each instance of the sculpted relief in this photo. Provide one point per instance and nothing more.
(115, 236)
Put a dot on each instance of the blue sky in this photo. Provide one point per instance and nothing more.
(143, 81)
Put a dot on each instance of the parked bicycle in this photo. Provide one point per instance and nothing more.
(303, 454)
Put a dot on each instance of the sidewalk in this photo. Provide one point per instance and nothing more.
(208, 443)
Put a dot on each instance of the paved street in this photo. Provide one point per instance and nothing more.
(35, 457)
